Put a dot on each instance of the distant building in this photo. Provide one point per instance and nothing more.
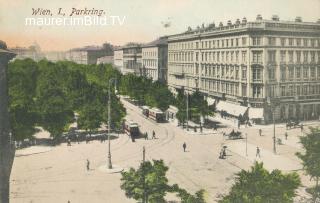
(155, 59)
(118, 58)
(132, 59)
(55, 56)
(89, 54)
(33, 52)
(271, 67)
(105, 60)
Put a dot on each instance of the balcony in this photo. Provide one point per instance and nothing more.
(256, 62)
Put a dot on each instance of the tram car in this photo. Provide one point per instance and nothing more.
(156, 115)
(145, 111)
(131, 128)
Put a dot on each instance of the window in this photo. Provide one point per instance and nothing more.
(283, 41)
(244, 56)
(271, 74)
(290, 41)
(237, 56)
(305, 42)
(291, 73)
(237, 42)
(291, 56)
(257, 56)
(271, 56)
(298, 42)
(298, 56)
(283, 73)
(298, 90)
(256, 74)
(283, 91)
(298, 72)
(282, 56)
(232, 42)
(256, 91)
(305, 56)
(197, 56)
(244, 41)
(272, 41)
(256, 41)
(197, 45)
(305, 72)
(313, 72)
(313, 56)
(244, 90)
(244, 73)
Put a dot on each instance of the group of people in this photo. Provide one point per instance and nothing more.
(146, 137)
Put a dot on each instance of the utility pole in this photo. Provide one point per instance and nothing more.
(144, 198)
(7, 148)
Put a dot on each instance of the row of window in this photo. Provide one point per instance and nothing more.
(255, 41)
(295, 56)
(298, 72)
(293, 90)
(224, 56)
(149, 54)
(150, 62)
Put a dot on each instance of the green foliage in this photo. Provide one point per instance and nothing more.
(22, 77)
(311, 158)
(46, 94)
(149, 184)
(260, 186)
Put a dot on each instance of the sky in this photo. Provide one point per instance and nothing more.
(144, 19)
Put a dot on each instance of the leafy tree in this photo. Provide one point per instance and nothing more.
(148, 183)
(260, 186)
(22, 77)
(91, 116)
(311, 159)
(52, 102)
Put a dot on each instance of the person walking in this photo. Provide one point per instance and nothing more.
(153, 135)
(258, 152)
(286, 135)
(184, 147)
(146, 136)
(260, 132)
(88, 165)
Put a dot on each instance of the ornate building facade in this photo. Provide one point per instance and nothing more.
(270, 65)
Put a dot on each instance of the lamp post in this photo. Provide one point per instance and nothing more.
(109, 122)
(272, 109)
(246, 144)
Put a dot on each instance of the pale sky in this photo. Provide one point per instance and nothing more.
(143, 19)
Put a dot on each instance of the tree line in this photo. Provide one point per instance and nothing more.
(49, 94)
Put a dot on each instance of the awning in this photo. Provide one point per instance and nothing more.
(255, 113)
(210, 101)
(233, 109)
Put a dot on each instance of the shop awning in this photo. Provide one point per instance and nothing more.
(210, 101)
(233, 109)
(255, 113)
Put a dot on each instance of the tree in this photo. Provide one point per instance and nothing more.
(311, 159)
(22, 77)
(260, 186)
(148, 183)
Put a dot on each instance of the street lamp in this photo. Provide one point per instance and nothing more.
(272, 109)
(109, 121)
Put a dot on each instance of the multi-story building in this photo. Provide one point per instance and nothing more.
(155, 59)
(132, 59)
(33, 52)
(267, 65)
(118, 59)
(89, 54)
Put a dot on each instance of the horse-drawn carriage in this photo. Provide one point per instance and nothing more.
(293, 124)
(233, 135)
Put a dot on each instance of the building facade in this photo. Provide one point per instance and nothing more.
(271, 65)
(88, 54)
(118, 58)
(155, 59)
(132, 59)
(33, 52)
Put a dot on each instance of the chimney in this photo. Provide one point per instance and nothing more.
(244, 20)
(275, 18)
(298, 19)
(238, 22)
(229, 23)
(259, 17)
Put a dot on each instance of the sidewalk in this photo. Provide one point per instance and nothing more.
(270, 160)
(32, 150)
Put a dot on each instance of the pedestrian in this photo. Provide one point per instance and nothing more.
(146, 136)
(258, 152)
(301, 126)
(88, 165)
(260, 132)
(69, 142)
(184, 147)
(286, 135)
(77, 138)
(153, 135)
